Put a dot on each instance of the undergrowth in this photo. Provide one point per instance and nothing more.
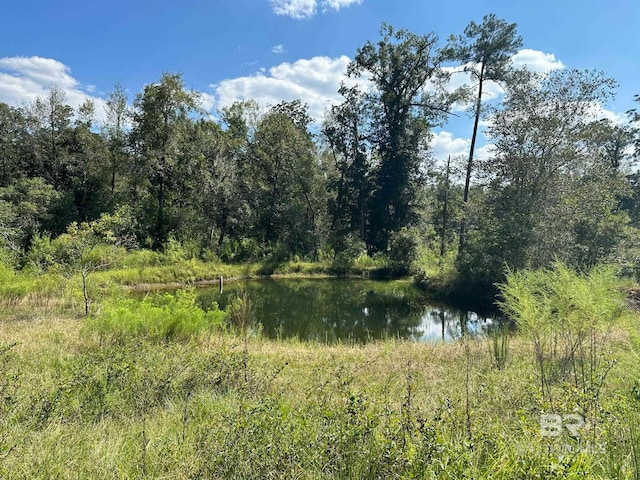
(159, 388)
(159, 316)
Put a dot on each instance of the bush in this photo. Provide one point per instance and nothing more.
(325, 254)
(160, 316)
(143, 258)
(42, 254)
(567, 315)
(244, 250)
(349, 250)
(403, 251)
(176, 252)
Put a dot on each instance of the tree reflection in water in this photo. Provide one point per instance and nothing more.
(346, 310)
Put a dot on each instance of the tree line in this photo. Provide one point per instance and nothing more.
(259, 182)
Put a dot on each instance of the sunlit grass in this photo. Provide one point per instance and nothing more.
(73, 407)
(157, 390)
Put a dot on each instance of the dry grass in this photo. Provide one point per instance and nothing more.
(304, 410)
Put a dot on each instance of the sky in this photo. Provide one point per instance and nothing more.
(274, 50)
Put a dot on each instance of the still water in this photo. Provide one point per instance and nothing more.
(346, 310)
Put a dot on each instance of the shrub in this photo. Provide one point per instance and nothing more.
(244, 250)
(175, 252)
(160, 316)
(350, 249)
(567, 316)
(143, 258)
(403, 250)
(42, 254)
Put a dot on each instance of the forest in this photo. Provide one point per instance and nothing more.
(260, 182)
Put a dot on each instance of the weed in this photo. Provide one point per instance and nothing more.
(159, 316)
(499, 346)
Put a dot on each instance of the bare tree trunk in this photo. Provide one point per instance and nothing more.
(467, 181)
(444, 212)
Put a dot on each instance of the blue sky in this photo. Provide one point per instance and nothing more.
(284, 49)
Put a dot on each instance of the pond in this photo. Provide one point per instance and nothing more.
(347, 310)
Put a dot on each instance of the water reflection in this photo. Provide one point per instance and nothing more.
(331, 310)
(446, 323)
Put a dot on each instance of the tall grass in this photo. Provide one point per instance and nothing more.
(73, 407)
(567, 316)
(159, 388)
(159, 316)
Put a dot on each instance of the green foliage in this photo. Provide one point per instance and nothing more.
(401, 113)
(487, 46)
(286, 180)
(22, 293)
(550, 196)
(567, 316)
(403, 250)
(378, 260)
(351, 180)
(160, 134)
(43, 254)
(543, 301)
(244, 250)
(485, 50)
(240, 313)
(160, 317)
(176, 251)
(499, 347)
(350, 249)
(24, 206)
(143, 258)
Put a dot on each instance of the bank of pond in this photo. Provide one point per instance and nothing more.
(345, 310)
(322, 378)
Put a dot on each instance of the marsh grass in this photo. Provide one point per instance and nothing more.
(499, 346)
(159, 388)
(161, 316)
(148, 271)
(183, 408)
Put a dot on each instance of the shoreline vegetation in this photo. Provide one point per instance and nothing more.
(159, 388)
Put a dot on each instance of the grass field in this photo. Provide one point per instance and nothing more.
(90, 397)
(215, 407)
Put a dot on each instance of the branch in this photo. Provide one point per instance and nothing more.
(433, 107)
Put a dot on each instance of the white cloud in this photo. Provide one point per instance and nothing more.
(444, 144)
(338, 4)
(315, 81)
(596, 111)
(308, 8)
(294, 8)
(39, 70)
(278, 49)
(536, 61)
(459, 78)
(485, 151)
(207, 101)
(23, 79)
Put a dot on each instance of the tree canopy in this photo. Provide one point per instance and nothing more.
(266, 181)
